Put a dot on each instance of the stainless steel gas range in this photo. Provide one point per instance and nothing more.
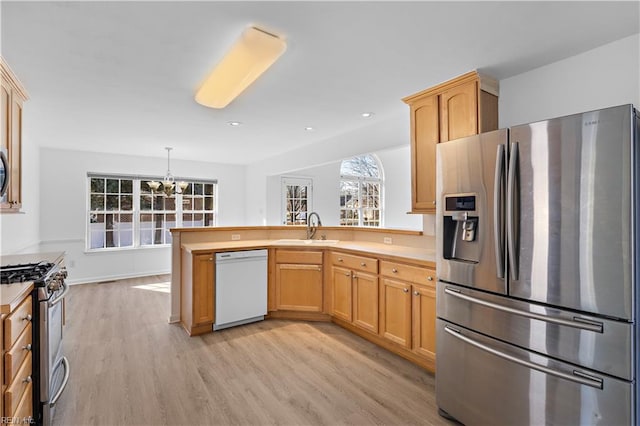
(50, 366)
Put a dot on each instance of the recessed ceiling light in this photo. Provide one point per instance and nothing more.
(234, 123)
(309, 129)
(367, 114)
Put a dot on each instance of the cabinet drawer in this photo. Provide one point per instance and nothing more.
(14, 357)
(359, 263)
(299, 256)
(17, 388)
(25, 406)
(404, 272)
(17, 321)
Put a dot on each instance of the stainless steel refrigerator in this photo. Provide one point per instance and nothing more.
(538, 236)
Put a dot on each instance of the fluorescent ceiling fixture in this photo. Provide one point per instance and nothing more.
(366, 114)
(254, 52)
(309, 129)
(234, 123)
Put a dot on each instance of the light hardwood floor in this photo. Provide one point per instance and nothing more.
(130, 367)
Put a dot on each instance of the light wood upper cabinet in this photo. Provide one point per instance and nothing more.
(461, 107)
(12, 97)
(298, 281)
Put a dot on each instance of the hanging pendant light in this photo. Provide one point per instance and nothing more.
(168, 184)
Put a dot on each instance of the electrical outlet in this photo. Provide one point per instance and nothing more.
(235, 237)
(387, 240)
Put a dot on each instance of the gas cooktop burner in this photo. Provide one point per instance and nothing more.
(36, 272)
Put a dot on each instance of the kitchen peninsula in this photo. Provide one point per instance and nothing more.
(377, 283)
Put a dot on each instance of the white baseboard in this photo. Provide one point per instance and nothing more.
(174, 319)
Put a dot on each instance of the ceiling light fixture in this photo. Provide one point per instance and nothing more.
(169, 183)
(309, 129)
(252, 54)
(234, 123)
(367, 114)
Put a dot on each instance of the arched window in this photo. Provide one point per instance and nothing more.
(361, 191)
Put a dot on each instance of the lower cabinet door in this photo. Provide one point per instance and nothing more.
(203, 280)
(424, 320)
(341, 304)
(299, 287)
(395, 312)
(365, 301)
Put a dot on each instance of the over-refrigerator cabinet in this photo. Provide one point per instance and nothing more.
(537, 254)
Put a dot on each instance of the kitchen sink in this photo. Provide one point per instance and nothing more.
(305, 242)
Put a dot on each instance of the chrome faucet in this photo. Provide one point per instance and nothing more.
(311, 227)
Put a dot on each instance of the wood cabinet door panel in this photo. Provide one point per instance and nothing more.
(365, 301)
(299, 287)
(203, 293)
(17, 321)
(341, 306)
(459, 112)
(424, 320)
(14, 357)
(395, 312)
(425, 130)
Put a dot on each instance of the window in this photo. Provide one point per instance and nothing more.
(296, 200)
(360, 191)
(123, 212)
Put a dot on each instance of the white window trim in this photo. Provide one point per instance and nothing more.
(298, 181)
(136, 212)
(360, 180)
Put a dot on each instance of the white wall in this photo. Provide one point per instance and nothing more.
(381, 134)
(20, 231)
(326, 184)
(63, 184)
(602, 77)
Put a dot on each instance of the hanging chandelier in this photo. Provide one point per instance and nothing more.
(168, 184)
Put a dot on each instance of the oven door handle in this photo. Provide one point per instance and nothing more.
(57, 299)
(55, 398)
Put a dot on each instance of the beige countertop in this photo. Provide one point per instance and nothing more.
(388, 250)
(12, 294)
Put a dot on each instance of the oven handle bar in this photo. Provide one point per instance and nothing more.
(65, 289)
(55, 398)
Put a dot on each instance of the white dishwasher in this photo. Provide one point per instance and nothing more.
(241, 288)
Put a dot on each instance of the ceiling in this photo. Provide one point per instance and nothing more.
(121, 76)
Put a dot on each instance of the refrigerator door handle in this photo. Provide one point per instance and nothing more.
(511, 211)
(579, 323)
(577, 376)
(498, 217)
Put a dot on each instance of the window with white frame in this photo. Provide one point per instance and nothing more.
(296, 200)
(361, 191)
(123, 212)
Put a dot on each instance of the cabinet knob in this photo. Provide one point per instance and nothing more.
(27, 318)
(27, 379)
(211, 259)
(406, 290)
(429, 278)
(347, 274)
(416, 293)
(320, 268)
(340, 259)
(434, 202)
(363, 264)
(394, 270)
(27, 347)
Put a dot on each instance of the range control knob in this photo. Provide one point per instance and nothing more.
(63, 272)
(54, 285)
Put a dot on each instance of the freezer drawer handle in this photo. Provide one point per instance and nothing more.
(575, 323)
(577, 376)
